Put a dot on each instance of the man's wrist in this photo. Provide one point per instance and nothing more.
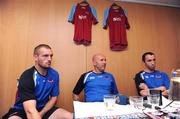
(41, 113)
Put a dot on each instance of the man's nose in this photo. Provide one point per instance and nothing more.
(49, 58)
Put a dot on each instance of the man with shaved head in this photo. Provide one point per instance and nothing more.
(96, 83)
(38, 90)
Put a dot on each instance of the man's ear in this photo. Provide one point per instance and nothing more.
(94, 63)
(35, 57)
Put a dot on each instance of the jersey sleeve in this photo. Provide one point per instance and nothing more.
(106, 13)
(80, 85)
(166, 81)
(26, 87)
(114, 87)
(95, 19)
(126, 19)
(138, 80)
(55, 91)
(71, 15)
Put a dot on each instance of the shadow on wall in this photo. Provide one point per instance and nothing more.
(3, 2)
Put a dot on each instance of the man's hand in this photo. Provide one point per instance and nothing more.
(30, 109)
(76, 97)
(165, 93)
(143, 86)
(144, 92)
(48, 106)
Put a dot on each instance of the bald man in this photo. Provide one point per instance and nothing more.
(96, 83)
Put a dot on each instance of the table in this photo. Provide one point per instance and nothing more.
(96, 110)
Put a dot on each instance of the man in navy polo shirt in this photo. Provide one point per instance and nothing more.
(38, 89)
(150, 78)
(96, 83)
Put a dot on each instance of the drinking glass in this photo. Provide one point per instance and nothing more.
(136, 101)
(174, 93)
(109, 101)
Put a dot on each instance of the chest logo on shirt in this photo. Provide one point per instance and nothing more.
(50, 81)
(158, 76)
(116, 19)
(87, 13)
(106, 77)
(81, 17)
(92, 77)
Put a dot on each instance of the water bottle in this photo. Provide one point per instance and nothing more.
(174, 93)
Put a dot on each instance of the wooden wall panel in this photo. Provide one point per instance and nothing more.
(178, 31)
(26, 23)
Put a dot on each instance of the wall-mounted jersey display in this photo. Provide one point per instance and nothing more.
(83, 15)
(116, 19)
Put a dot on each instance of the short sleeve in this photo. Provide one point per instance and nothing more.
(166, 81)
(71, 15)
(138, 80)
(114, 86)
(55, 91)
(80, 85)
(95, 19)
(106, 13)
(26, 86)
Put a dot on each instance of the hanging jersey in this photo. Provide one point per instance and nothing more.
(96, 86)
(117, 21)
(33, 86)
(82, 17)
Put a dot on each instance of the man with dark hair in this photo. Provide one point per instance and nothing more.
(96, 83)
(38, 89)
(150, 78)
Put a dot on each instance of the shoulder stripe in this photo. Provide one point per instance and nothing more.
(35, 77)
(142, 75)
(93, 10)
(71, 15)
(106, 14)
(86, 77)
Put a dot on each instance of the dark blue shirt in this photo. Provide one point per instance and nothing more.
(96, 86)
(156, 79)
(33, 86)
(152, 80)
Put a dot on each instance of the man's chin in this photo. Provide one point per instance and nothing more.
(152, 69)
(45, 67)
(101, 70)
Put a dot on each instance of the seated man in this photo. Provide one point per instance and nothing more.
(96, 83)
(38, 89)
(150, 78)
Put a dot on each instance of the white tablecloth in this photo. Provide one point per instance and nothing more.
(93, 109)
(97, 109)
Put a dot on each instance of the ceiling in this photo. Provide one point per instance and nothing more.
(170, 3)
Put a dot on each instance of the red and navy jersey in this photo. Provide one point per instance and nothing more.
(33, 86)
(117, 21)
(82, 17)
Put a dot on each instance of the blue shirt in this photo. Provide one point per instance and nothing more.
(156, 79)
(96, 86)
(33, 86)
